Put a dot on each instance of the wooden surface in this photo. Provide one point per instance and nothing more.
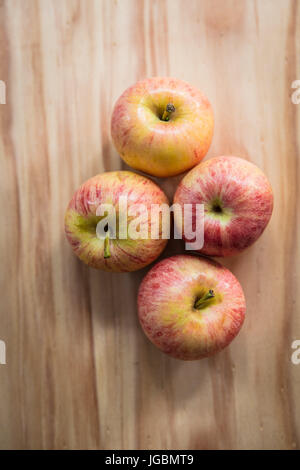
(80, 373)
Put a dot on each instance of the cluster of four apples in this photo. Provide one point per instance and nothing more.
(189, 306)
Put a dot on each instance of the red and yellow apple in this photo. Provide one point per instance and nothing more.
(190, 307)
(237, 199)
(162, 126)
(114, 252)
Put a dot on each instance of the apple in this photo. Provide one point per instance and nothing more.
(237, 199)
(190, 307)
(111, 251)
(162, 126)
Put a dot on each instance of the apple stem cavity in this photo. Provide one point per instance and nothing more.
(170, 108)
(202, 301)
(106, 246)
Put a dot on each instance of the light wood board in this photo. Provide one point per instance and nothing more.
(80, 373)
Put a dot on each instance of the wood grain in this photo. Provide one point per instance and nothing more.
(80, 373)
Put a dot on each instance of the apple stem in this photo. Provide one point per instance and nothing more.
(170, 108)
(106, 246)
(201, 302)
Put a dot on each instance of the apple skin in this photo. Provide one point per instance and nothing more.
(157, 147)
(166, 307)
(242, 192)
(81, 221)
